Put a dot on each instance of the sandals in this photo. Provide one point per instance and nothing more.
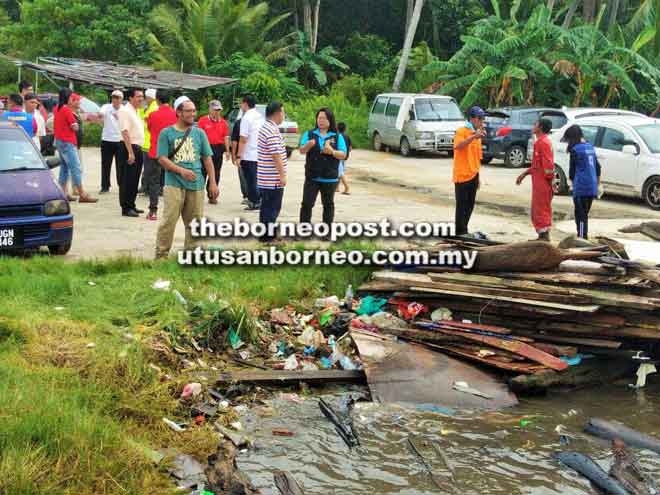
(87, 199)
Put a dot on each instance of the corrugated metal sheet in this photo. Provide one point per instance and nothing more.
(111, 75)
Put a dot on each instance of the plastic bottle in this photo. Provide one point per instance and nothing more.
(348, 298)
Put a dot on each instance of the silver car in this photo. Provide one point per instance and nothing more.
(414, 122)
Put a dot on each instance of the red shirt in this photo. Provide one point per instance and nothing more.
(216, 130)
(64, 119)
(158, 120)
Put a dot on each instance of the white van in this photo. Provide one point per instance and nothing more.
(414, 122)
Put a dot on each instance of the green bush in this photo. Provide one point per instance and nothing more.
(366, 54)
(351, 87)
(92, 134)
(355, 116)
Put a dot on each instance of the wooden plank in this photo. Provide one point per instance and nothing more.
(527, 368)
(586, 308)
(557, 350)
(578, 341)
(497, 282)
(570, 278)
(516, 347)
(277, 376)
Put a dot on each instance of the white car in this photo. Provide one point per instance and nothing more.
(628, 150)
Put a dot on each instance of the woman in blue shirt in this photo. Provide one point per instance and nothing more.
(324, 149)
(584, 172)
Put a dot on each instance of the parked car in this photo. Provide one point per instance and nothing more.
(508, 132)
(414, 122)
(628, 150)
(288, 128)
(34, 211)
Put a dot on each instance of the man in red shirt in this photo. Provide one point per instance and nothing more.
(157, 120)
(543, 174)
(217, 131)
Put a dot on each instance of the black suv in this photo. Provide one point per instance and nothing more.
(508, 131)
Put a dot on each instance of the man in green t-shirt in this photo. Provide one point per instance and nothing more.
(181, 149)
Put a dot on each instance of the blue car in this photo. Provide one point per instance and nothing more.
(34, 212)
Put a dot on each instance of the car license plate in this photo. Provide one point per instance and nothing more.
(10, 238)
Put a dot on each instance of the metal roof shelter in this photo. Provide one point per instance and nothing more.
(117, 76)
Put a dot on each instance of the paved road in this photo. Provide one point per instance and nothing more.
(384, 185)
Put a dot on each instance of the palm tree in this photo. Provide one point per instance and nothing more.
(188, 36)
(310, 67)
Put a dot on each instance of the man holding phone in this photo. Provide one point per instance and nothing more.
(468, 153)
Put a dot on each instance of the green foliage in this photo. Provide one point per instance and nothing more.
(366, 54)
(92, 134)
(313, 68)
(256, 76)
(88, 29)
(356, 117)
(191, 33)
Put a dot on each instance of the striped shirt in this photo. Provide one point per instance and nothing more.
(269, 142)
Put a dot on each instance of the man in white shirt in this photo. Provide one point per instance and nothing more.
(31, 103)
(251, 122)
(110, 139)
(129, 155)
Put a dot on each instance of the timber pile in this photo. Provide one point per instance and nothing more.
(523, 321)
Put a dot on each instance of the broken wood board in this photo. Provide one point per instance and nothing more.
(585, 308)
(284, 377)
(589, 373)
(514, 346)
(573, 278)
(578, 341)
(398, 372)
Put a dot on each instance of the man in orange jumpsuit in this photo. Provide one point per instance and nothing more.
(543, 174)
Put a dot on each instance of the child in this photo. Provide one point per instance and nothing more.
(341, 127)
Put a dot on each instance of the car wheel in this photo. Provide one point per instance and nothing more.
(59, 249)
(561, 184)
(486, 161)
(405, 148)
(377, 142)
(289, 151)
(515, 157)
(651, 193)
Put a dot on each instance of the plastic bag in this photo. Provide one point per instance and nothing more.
(234, 340)
(370, 305)
(291, 363)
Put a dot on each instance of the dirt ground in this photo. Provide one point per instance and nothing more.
(383, 185)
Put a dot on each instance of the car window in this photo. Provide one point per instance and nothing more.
(379, 106)
(558, 119)
(88, 106)
(651, 136)
(17, 151)
(589, 133)
(529, 118)
(393, 107)
(437, 109)
(611, 140)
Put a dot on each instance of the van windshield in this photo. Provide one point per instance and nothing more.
(437, 109)
(17, 152)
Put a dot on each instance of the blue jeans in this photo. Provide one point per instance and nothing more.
(271, 204)
(70, 163)
(250, 172)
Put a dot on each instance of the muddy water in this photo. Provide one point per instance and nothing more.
(494, 453)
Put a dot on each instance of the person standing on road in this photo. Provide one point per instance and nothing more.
(31, 103)
(66, 127)
(467, 162)
(271, 166)
(235, 139)
(341, 127)
(110, 139)
(181, 149)
(251, 122)
(129, 156)
(217, 132)
(19, 116)
(162, 118)
(584, 172)
(150, 106)
(542, 171)
(324, 149)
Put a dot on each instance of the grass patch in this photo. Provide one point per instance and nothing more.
(76, 386)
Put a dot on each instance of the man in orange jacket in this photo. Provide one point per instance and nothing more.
(467, 162)
(542, 171)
